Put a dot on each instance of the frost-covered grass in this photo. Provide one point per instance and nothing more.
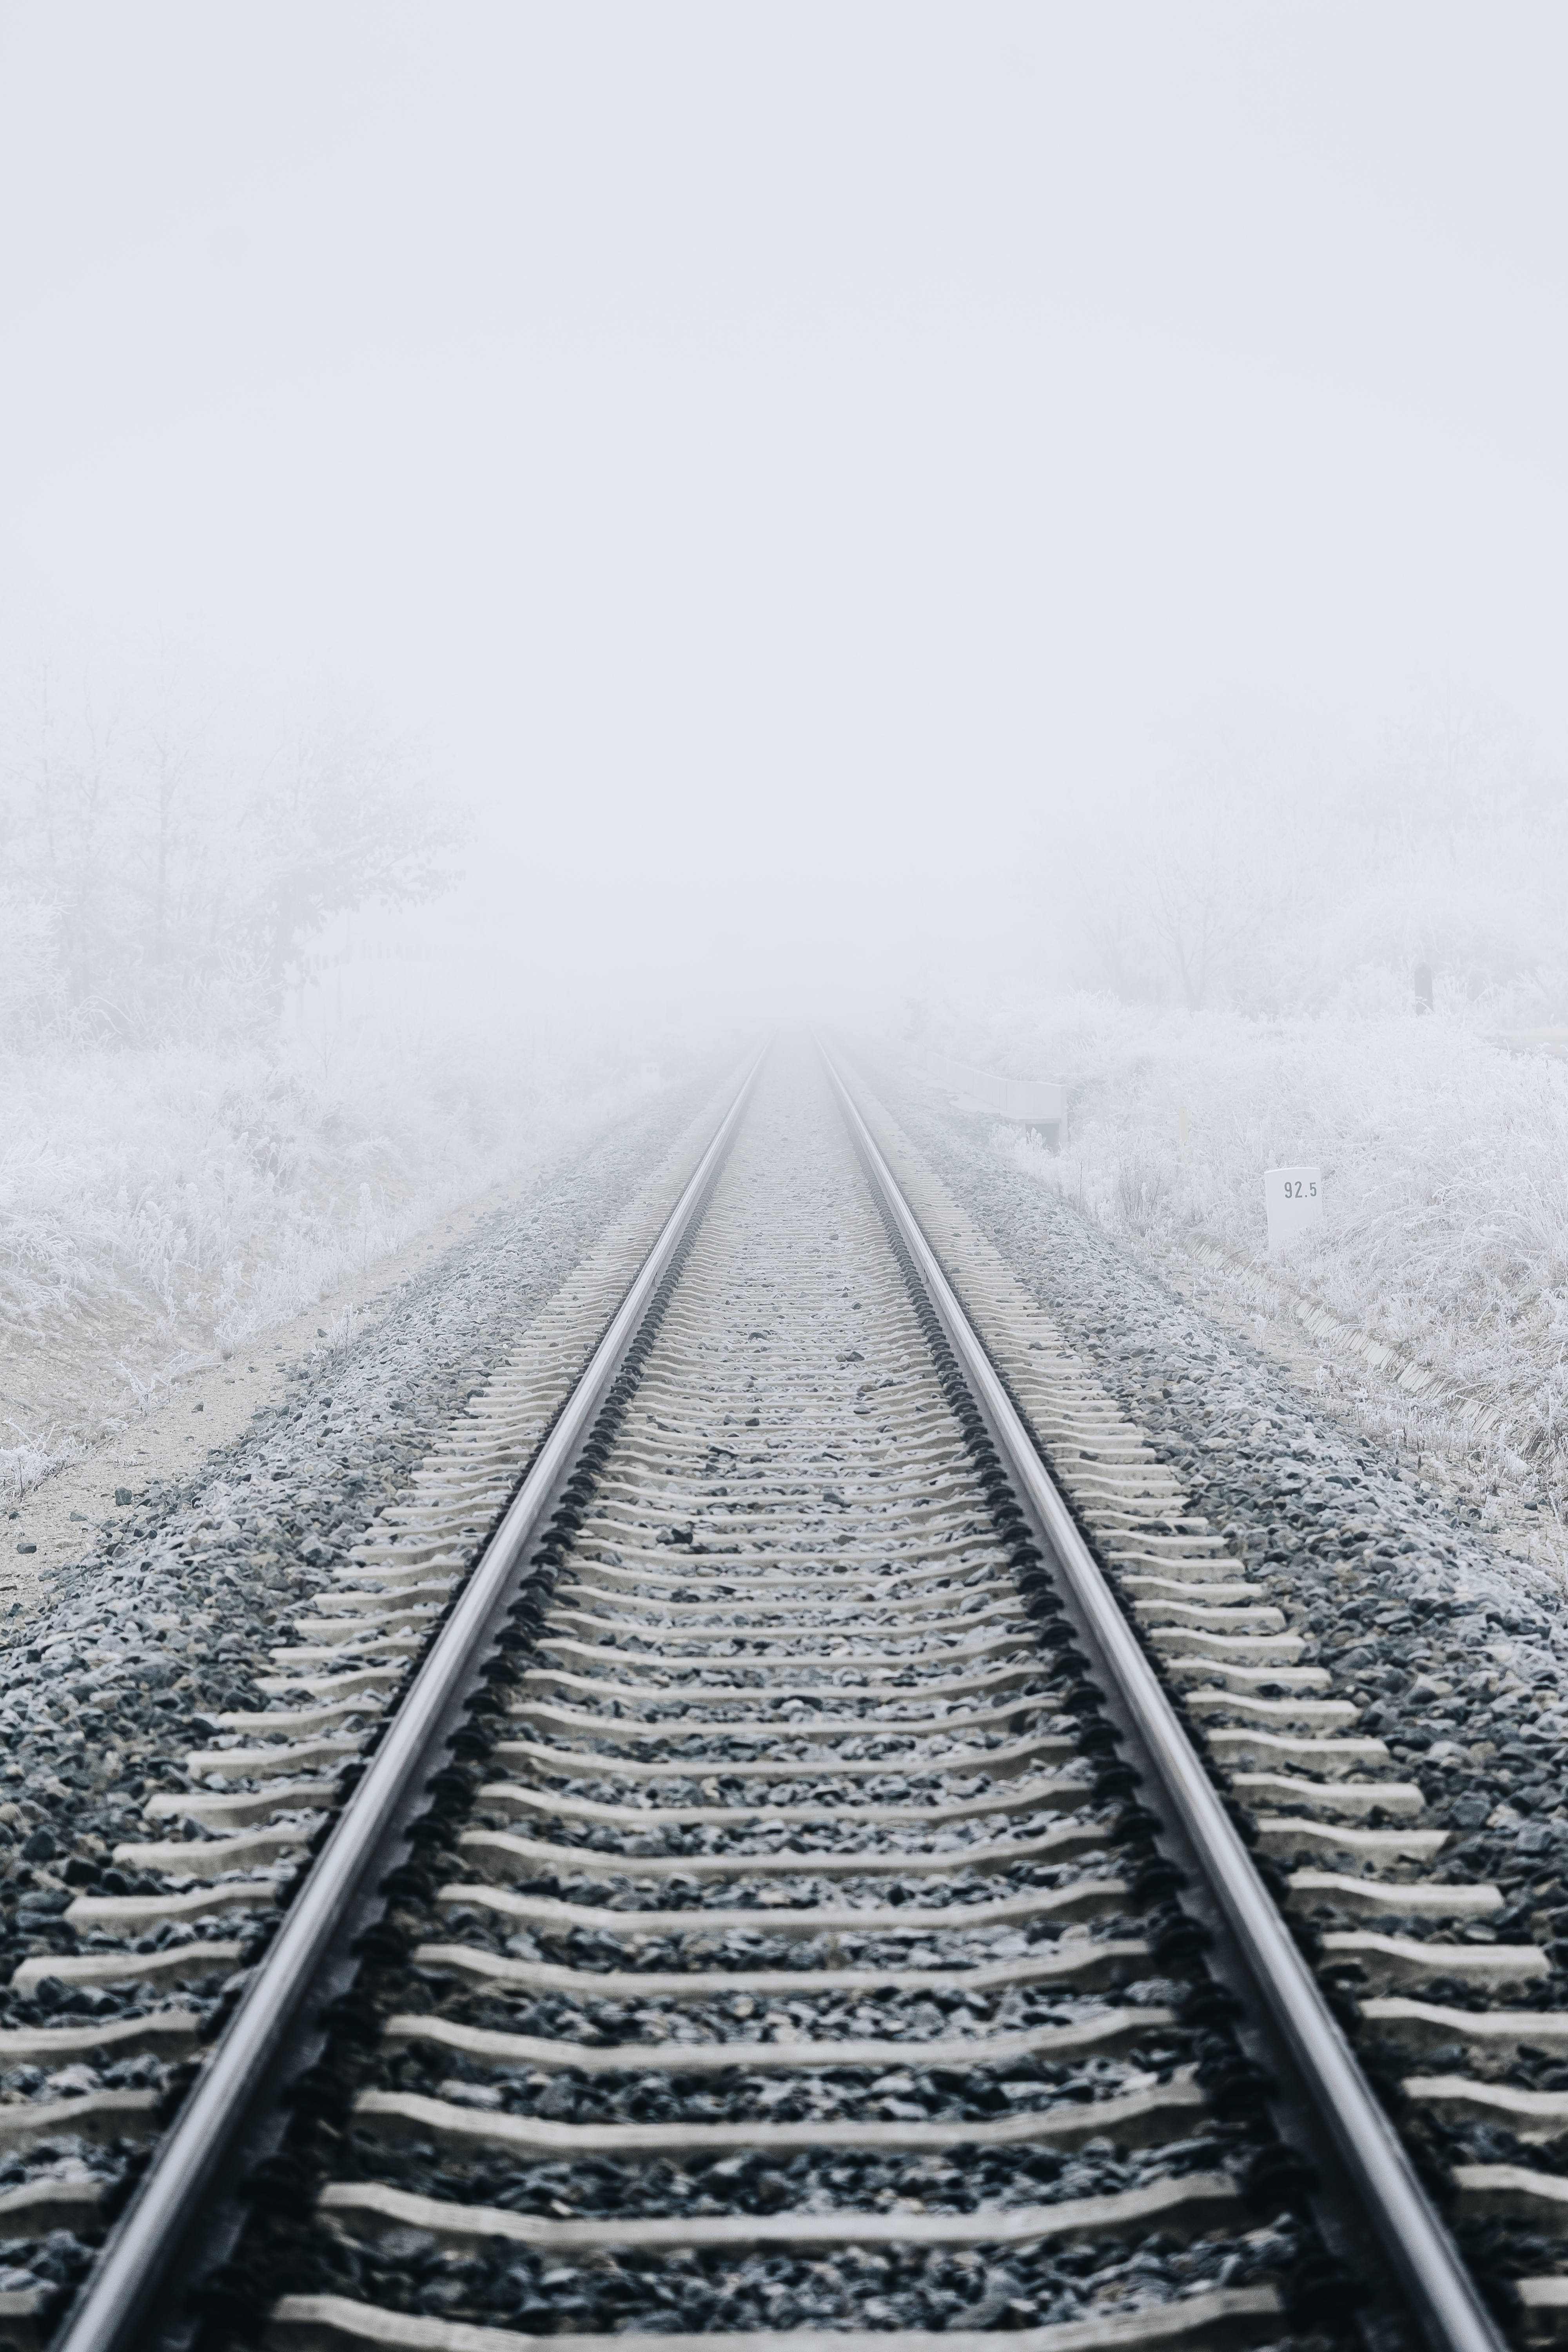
(171, 1204)
(1445, 1164)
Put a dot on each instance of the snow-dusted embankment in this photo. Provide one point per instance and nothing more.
(1445, 1163)
(160, 1208)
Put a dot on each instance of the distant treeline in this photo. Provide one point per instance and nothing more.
(1286, 877)
(163, 862)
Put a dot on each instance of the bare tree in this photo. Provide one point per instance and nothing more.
(180, 854)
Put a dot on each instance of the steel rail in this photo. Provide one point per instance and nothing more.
(121, 2292)
(1419, 2249)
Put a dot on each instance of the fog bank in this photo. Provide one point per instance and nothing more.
(792, 473)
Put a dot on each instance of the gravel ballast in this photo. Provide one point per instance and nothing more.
(1454, 1653)
(1450, 1651)
(168, 1622)
(907, 2057)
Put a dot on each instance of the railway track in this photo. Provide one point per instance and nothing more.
(773, 1890)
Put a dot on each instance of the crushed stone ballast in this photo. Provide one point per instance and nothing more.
(772, 1894)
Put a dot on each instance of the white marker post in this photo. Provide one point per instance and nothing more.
(1294, 1199)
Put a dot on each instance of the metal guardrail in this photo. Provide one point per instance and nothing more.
(1037, 1102)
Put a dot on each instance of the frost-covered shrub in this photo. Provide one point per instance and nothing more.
(168, 856)
(1444, 1161)
(170, 1203)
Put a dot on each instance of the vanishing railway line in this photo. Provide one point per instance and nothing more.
(780, 1895)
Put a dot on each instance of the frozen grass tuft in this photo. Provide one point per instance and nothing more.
(162, 1206)
(1445, 1164)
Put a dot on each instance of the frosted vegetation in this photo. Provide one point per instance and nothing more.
(1290, 877)
(1257, 1009)
(166, 862)
(190, 1150)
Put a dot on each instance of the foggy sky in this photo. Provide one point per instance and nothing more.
(776, 456)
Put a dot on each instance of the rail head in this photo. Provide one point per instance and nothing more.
(123, 2293)
(1441, 2292)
